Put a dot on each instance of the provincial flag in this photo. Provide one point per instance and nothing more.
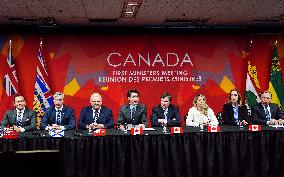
(254, 128)
(136, 131)
(276, 86)
(100, 132)
(176, 130)
(252, 82)
(56, 133)
(9, 81)
(214, 128)
(42, 92)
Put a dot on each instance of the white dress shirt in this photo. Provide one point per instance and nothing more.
(195, 117)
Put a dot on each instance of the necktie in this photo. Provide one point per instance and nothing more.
(96, 116)
(166, 114)
(132, 111)
(58, 117)
(267, 113)
(19, 119)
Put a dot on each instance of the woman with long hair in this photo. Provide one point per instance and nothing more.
(200, 113)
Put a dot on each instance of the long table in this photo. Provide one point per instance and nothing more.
(232, 152)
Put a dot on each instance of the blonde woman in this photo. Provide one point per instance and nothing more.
(200, 113)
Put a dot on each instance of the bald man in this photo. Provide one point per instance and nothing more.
(96, 115)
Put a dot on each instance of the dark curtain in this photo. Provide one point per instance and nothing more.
(194, 154)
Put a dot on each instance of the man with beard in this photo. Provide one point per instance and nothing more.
(95, 116)
(59, 116)
(132, 113)
(166, 113)
(21, 118)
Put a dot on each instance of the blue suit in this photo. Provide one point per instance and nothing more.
(68, 119)
(173, 116)
(86, 117)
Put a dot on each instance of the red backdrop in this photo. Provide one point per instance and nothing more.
(183, 65)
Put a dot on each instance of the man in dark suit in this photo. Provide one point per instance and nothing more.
(233, 112)
(265, 112)
(21, 118)
(132, 113)
(166, 113)
(96, 115)
(59, 116)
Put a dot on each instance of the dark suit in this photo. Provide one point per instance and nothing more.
(173, 116)
(86, 117)
(29, 119)
(258, 113)
(139, 117)
(228, 114)
(67, 118)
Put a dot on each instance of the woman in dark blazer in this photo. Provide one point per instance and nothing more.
(234, 113)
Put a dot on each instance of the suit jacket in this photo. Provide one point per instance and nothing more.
(29, 119)
(173, 116)
(258, 113)
(139, 117)
(228, 114)
(86, 117)
(67, 118)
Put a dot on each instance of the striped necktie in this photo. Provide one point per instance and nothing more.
(19, 119)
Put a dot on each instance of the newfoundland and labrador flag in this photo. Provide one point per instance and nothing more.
(276, 83)
(42, 92)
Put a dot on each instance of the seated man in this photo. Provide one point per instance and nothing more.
(132, 113)
(21, 118)
(265, 112)
(96, 115)
(165, 113)
(59, 116)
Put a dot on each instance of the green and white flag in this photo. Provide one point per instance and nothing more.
(252, 86)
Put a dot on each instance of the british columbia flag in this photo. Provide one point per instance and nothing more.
(42, 93)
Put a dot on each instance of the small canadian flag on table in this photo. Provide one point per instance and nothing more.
(254, 128)
(214, 128)
(176, 130)
(100, 132)
(136, 131)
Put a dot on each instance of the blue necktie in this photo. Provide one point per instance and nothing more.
(267, 113)
(166, 114)
(58, 117)
(19, 119)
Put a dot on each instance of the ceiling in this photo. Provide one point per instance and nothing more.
(152, 13)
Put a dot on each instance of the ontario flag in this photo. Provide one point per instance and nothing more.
(42, 92)
(9, 81)
(99, 132)
(276, 86)
(254, 128)
(176, 130)
(136, 131)
(213, 128)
